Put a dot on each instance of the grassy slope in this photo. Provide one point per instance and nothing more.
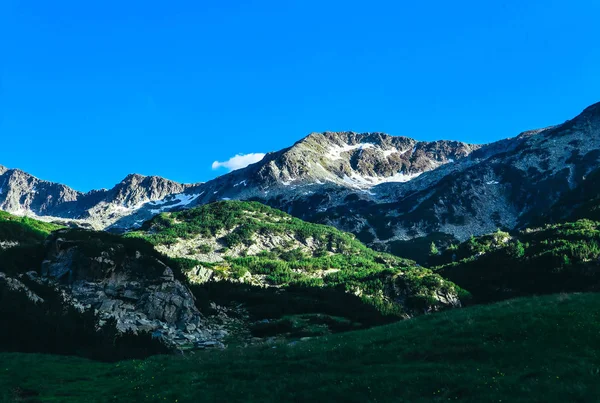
(359, 267)
(23, 229)
(555, 258)
(532, 349)
(29, 234)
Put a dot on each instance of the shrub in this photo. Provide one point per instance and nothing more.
(205, 249)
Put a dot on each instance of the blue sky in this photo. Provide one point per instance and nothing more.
(92, 92)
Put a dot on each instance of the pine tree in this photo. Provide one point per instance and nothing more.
(433, 250)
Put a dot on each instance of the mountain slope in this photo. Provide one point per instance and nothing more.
(95, 286)
(549, 259)
(255, 244)
(507, 184)
(282, 278)
(347, 159)
(21, 193)
(322, 165)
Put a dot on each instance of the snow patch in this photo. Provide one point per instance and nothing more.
(170, 202)
(387, 153)
(360, 182)
(335, 152)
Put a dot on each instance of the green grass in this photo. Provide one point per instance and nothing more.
(29, 234)
(541, 349)
(245, 219)
(550, 259)
(358, 268)
(24, 229)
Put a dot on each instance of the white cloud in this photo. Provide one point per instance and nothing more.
(239, 161)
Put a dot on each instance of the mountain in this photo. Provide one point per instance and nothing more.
(251, 243)
(235, 272)
(395, 193)
(24, 194)
(445, 191)
(346, 159)
(189, 270)
(321, 161)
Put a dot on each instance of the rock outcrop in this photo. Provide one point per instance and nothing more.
(137, 290)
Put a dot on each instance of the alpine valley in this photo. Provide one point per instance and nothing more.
(336, 269)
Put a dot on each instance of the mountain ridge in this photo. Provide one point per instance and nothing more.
(100, 207)
(386, 189)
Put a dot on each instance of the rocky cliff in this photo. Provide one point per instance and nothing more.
(131, 286)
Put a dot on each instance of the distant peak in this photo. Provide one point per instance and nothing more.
(131, 177)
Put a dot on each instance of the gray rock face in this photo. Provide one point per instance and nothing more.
(398, 290)
(14, 284)
(137, 189)
(21, 193)
(345, 160)
(138, 291)
(507, 184)
(357, 160)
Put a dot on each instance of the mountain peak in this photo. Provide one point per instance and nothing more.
(133, 177)
(137, 189)
(361, 160)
